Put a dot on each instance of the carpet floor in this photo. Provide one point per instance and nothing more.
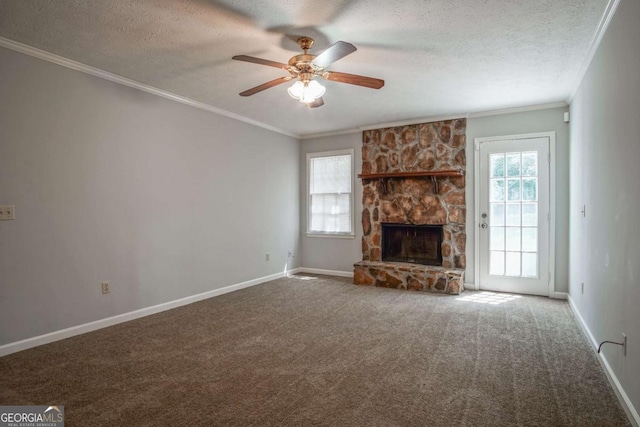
(317, 350)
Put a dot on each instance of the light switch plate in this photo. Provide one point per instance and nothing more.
(7, 212)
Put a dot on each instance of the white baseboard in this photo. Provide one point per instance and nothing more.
(559, 295)
(326, 272)
(582, 323)
(626, 403)
(125, 317)
(554, 295)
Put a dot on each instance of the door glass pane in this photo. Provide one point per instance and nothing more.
(513, 231)
(497, 190)
(496, 263)
(512, 264)
(513, 238)
(513, 214)
(530, 163)
(497, 214)
(529, 265)
(530, 214)
(513, 189)
(530, 189)
(529, 240)
(497, 165)
(513, 164)
(497, 239)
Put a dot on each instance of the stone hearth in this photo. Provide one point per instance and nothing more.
(413, 277)
(426, 147)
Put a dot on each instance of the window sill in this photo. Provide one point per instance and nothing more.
(332, 236)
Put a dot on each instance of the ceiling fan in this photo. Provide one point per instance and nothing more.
(305, 67)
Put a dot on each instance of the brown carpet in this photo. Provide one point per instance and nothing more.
(324, 352)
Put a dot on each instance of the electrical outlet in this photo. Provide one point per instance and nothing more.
(624, 344)
(7, 213)
(582, 287)
(268, 256)
(106, 287)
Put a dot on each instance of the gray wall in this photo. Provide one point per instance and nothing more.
(605, 151)
(331, 253)
(110, 183)
(522, 123)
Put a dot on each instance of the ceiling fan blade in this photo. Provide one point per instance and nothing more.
(354, 79)
(260, 61)
(336, 51)
(317, 103)
(266, 85)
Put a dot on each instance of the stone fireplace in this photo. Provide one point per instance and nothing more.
(413, 199)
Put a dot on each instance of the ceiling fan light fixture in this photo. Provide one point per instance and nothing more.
(305, 67)
(295, 91)
(306, 92)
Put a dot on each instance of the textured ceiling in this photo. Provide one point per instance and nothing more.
(437, 57)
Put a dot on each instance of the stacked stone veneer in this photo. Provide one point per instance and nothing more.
(424, 147)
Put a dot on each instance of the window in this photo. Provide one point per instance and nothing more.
(330, 193)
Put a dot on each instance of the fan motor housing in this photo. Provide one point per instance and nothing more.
(302, 61)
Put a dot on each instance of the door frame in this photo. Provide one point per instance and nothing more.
(552, 201)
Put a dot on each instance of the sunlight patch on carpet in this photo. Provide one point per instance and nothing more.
(489, 298)
(300, 277)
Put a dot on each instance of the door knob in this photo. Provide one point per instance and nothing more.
(484, 225)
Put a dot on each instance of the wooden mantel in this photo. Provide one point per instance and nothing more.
(423, 174)
(384, 177)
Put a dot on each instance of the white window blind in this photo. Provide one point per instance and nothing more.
(330, 192)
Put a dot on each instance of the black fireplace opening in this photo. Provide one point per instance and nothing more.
(418, 244)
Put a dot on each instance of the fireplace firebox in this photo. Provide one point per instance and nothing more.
(418, 244)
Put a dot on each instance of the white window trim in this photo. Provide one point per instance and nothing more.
(310, 156)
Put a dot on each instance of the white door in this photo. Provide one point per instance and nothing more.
(514, 219)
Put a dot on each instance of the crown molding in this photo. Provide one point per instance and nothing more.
(559, 104)
(83, 68)
(413, 121)
(326, 134)
(609, 11)
(77, 66)
(430, 119)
